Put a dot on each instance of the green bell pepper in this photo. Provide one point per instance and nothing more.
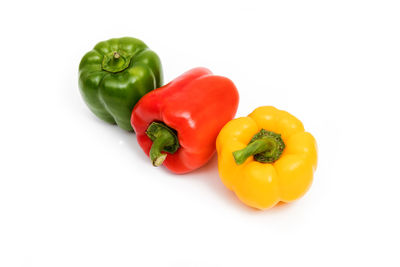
(115, 75)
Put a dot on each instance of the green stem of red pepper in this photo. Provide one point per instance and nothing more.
(164, 139)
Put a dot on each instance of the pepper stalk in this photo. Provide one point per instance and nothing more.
(164, 139)
(265, 146)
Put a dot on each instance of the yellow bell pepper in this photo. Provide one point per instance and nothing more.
(266, 157)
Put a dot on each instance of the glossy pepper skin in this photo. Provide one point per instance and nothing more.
(194, 106)
(115, 75)
(284, 178)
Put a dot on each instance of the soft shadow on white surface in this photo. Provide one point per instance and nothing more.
(208, 174)
(124, 138)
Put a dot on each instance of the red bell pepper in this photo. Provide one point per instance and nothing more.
(183, 119)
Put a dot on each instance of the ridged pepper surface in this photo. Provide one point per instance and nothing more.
(177, 124)
(266, 157)
(115, 75)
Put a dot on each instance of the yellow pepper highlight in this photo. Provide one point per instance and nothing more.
(262, 185)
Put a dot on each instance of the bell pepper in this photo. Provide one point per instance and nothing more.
(115, 75)
(266, 157)
(177, 125)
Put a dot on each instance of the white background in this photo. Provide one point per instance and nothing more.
(75, 191)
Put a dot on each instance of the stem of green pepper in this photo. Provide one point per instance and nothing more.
(116, 61)
(164, 139)
(265, 146)
(116, 55)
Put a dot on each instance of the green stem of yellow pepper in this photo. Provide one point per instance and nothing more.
(265, 146)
